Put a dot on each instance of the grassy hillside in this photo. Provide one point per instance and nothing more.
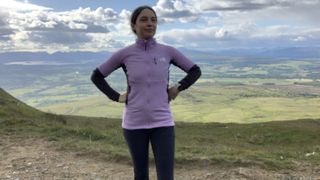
(272, 145)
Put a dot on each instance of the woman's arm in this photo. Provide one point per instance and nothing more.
(192, 76)
(98, 79)
(100, 73)
(193, 73)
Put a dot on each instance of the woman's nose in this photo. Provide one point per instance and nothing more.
(149, 22)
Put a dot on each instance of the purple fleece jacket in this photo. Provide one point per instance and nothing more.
(146, 65)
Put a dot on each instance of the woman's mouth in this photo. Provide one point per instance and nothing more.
(149, 30)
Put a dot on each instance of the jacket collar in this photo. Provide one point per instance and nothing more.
(146, 44)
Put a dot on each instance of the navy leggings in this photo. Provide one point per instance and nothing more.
(162, 142)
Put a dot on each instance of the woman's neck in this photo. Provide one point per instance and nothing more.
(145, 39)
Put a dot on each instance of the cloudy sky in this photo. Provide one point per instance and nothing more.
(103, 25)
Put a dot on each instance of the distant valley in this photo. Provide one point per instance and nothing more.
(236, 85)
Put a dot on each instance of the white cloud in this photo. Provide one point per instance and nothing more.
(249, 23)
(171, 10)
(281, 11)
(241, 36)
(123, 27)
(247, 5)
(5, 30)
(37, 27)
(182, 36)
(202, 24)
(299, 38)
(13, 5)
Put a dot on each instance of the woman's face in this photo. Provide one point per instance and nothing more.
(146, 24)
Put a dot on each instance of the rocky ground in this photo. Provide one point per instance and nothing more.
(38, 159)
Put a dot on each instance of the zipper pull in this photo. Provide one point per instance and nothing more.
(145, 45)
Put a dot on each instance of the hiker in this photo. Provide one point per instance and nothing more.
(147, 117)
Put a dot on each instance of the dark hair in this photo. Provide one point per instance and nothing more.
(136, 12)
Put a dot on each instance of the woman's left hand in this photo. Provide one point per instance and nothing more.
(122, 98)
(173, 92)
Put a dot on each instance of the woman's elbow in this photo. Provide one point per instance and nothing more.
(96, 75)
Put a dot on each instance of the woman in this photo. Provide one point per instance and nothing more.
(147, 117)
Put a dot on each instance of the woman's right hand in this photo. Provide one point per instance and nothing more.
(173, 92)
(122, 98)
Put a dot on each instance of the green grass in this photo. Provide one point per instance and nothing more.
(251, 81)
(275, 145)
(270, 145)
(94, 107)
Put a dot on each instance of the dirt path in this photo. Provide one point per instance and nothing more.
(36, 159)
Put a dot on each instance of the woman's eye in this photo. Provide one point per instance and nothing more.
(146, 19)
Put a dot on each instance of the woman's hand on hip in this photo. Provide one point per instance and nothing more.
(122, 98)
(173, 92)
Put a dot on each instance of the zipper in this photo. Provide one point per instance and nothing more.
(145, 45)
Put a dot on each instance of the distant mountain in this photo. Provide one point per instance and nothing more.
(291, 52)
(288, 52)
(192, 52)
(57, 56)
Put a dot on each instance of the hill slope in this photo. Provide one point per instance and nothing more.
(12, 107)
